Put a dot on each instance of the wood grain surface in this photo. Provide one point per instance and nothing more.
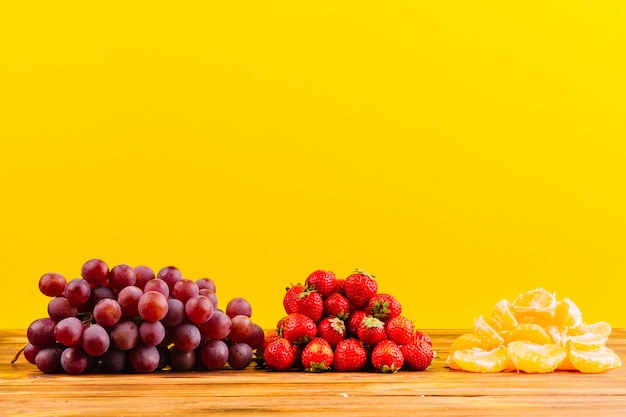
(438, 391)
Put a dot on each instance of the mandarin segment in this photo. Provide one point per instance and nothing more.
(503, 316)
(587, 341)
(487, 333)
(481, 360)
(530, 332)
(594, 361)
(567, 314)
(536, 358)
(537, 302)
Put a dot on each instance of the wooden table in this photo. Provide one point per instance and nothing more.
(24, 391)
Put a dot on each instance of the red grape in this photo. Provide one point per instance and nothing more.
(185, 289)
(238, 306)
(95, 272)
(52, 284)
(77, 291)
(121, 276)
(153, 306)
(96, 340)
(143, 274)
(214, 354)
(107, 312)
(69, 331)
(171, 275)
(199, 309)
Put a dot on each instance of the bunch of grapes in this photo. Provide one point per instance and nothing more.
(126, 319)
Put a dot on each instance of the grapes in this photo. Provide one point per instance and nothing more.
(125, 335)
(217, 327)
(151, 332)
(171, 275)
(241, 330)
(48, 360)
(69, 331)
(199, 309)
(240, 355)
(185, 289)
(128, 298)
(214, 354)
(52, 284)
(77, 291)
(60, 308)
(127, 319)
(153, 306)
(143, 274)
(175, 313)
(107, 312)
(186, 336)
(181, 360)
(95, 272)
(96, 340)
(157, 285)
(74, 361)
(144, 359)
(115, 360)
(238, 306)
(122, 276)
(40, 333)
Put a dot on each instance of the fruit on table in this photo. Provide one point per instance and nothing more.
(535, 333)
(343, 325)
(126, 319)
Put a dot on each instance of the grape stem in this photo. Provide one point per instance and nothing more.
(18, 353)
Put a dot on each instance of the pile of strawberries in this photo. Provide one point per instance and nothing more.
(343, 325)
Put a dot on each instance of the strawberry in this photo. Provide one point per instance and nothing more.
(371, 331)
(310, 304)
(400, 329)
(279, 355)
(350, 355)
(337, 305)
(297, 355)
(387, 356)
(323, 281)
(418, 355)
(270, 336)
(290, 302)
(423, 337)
(297, 328)
(354, 321)
(340, 286)
(384, 307)
(331, 329)
(317, 355)
(360, 287)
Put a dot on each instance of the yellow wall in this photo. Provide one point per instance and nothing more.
(461, 151)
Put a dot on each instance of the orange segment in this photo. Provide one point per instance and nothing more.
(503, 316)
(567, 314)
(602, 328)
(587, 341)
(481, 360)
(467, 341)
(487, 333)
(534, 358)
(530, 332)
(594, 361)
(558, 335)
(537, 302)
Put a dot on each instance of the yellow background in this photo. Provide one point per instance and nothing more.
(463, 152)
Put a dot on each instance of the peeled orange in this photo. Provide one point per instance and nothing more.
(481, 360)
(536, 358)
(594, 361)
